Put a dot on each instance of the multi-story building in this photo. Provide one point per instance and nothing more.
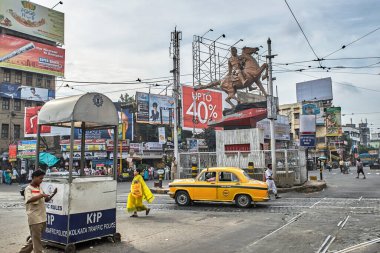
(353, 133)
(31, 57)
(293, 112)
(364, 133)
(12, 110)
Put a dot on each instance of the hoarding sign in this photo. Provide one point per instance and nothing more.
(33, 19)
(26, 149)
(307, 124)
(14, 91)
(200, 107)
(333, 121)
(30, 123)
(307, 140)
(17, 53)
(310, 109)
(12, 155)
(193, 145)
(153, 108)
(315, 90)
(281, 128)
(161, 135)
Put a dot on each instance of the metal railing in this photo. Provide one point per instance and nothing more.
(288, 161)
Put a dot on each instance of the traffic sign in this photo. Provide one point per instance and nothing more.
(307, 140)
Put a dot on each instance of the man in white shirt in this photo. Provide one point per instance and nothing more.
(270, 181)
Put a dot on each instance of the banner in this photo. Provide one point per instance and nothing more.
(333, 121)
(30, 125)
(307, 124)
(26, 149)
(33, 19)
(17, 53)
(154, 109)
(281, 128)
(14, 91)
(125, 119)
(200, 107)
(12, 155)
(161, 135)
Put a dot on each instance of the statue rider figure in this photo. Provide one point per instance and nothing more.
(235, 67)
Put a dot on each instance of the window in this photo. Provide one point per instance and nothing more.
(48, 82)
(5, 104)
(17, 105)
(228, 177)
(39, 80)
(29, 79)
(4, 131)
(28, 104)
(296, 116)
(18, 77)
(7, 75)
(16, 131)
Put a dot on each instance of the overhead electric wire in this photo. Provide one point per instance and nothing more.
(299, 25)
(344, 46)
(345, 84)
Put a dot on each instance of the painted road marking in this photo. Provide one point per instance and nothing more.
(344, 222)
(358, 246)
(326, 244)
(316, 203)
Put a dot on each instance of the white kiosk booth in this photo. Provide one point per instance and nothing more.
(84, 207)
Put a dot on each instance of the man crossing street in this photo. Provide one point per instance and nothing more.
(270, 181)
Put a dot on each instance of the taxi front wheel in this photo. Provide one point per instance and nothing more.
(243, 201)
(182, 198)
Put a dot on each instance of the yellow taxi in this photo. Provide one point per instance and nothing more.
(225, 184)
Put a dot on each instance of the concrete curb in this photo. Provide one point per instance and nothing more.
(309, 186)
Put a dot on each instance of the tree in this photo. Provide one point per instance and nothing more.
(209, 135)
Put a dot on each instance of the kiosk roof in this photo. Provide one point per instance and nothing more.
(94, 109)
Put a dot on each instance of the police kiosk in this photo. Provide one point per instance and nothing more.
(84, 207)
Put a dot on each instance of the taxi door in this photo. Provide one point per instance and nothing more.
(204, 190)
(227, 186)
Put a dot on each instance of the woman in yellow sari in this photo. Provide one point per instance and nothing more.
(139, 192)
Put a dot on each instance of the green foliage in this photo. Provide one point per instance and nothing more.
(209, 135)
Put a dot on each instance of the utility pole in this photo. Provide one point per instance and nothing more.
(271, 108)
(176, 36)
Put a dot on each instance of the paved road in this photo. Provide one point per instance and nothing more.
(345, 214)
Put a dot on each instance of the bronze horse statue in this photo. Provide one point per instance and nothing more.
(252, 71)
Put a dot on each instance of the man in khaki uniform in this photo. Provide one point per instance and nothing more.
(35, 200)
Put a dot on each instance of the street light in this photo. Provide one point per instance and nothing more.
(60, 2)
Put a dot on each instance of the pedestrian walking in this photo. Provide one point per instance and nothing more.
(35, 200)
(30, 174)
(173, 170)
(15, 175)
(359, 168)
(341, 165)
(139, 192)
(167, 169)
(23, 175)
(270, 181)
(7, 176)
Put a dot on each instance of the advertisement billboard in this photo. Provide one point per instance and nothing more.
(161, 135)
(33, 19)
(200, 107)
(307, 124)
(333, 121)
(125, 119)
(315, 90)
(12, 155)
(153, 108)
(281, 128)
(17, 53)
(30, 123)
(26, 149)
(15, 91)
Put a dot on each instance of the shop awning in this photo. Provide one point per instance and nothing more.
(245, 118)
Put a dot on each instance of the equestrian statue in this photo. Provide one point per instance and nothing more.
(243, 72)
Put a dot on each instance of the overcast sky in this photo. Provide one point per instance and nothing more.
(121, 40)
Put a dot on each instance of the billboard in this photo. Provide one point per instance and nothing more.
(125, 117)
(333, 121)
(30, 124)
(281, 128)
(33, 19)
(153, 108)
(12, 155)
(161, 135)
(26, 149)
(307, 124)
(14, 91)
(17, 53)
(200, 107)
(315, 90)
